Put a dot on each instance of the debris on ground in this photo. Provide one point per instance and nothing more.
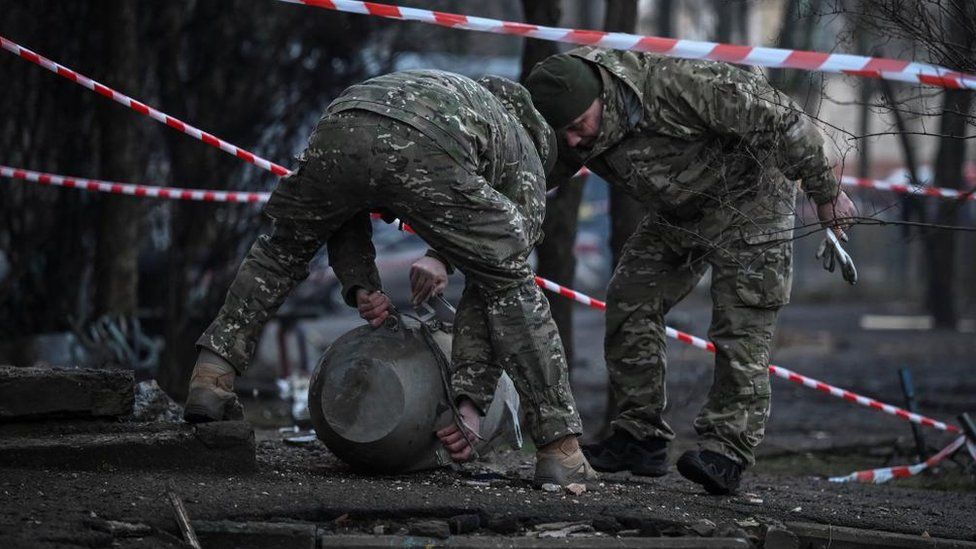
(153, 404)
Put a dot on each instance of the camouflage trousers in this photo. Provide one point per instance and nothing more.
(357, 161)
(749, 250)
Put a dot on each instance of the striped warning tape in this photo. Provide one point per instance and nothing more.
(855, 65)
(938, 192)
(172, 193)
(142, 108)
(878, 476)
(587, 210)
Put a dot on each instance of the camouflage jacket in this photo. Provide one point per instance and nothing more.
(678, 133)
(485, 126)
(459, 114)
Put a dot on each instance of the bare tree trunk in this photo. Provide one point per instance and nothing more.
(625, 212)
(949, 173)
(725, 13)
(176, 361)
(790, 37)
(541, 12)
(556, 259)
(116, 265)
(911, 205)
(866, 86)
(182, 323)
(665, 14)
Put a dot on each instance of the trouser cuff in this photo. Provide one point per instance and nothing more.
(736, 455)
(642, 431)
(212, 340)
(554, 418)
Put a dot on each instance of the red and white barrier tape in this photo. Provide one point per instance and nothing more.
(878, 476)
(587, 209)
(778, 371)
(546, 284)
(142, 108)
(939, 192)
(173, 193)
(855, 65)
(848, 181)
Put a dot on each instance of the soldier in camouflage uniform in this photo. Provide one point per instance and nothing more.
(464, 167)
(710, 150)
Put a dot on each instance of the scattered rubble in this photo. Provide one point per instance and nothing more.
(153, 404)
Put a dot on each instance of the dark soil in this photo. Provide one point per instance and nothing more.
(810, 436)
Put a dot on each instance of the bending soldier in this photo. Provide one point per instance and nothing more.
(465, 167)
(710, 151)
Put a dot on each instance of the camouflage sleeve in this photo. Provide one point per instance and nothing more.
(353, 258)
(732, 101)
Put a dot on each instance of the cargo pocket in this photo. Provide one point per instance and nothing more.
(758, 412)
(767, 280)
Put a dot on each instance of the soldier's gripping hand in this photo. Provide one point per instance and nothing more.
(456, 443)
(373, 307)
(837, 214)
(428, 277)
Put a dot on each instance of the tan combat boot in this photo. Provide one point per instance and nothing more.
(562, 463)
(211, 396)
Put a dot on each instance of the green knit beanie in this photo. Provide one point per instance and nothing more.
(562, 88)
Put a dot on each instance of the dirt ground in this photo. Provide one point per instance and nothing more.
(810, 436)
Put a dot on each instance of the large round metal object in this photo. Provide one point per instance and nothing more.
(377, 396)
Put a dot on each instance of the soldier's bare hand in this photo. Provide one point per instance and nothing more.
(374, 307)
(428, 277)
(838, 214)
(454, 440)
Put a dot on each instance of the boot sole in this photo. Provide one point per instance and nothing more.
(693, 470)
(617, 466)
(203, 406)
(651, 472)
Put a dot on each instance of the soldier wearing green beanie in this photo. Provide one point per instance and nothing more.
(563, 87)
(711, 151)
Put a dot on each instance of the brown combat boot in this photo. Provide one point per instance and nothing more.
(562, 463)
(211, 396)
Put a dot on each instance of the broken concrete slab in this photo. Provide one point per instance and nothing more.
(28, 393)
(493, 542)
(257, 535)
(822, 536)
(220, 446)
(430, 529)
